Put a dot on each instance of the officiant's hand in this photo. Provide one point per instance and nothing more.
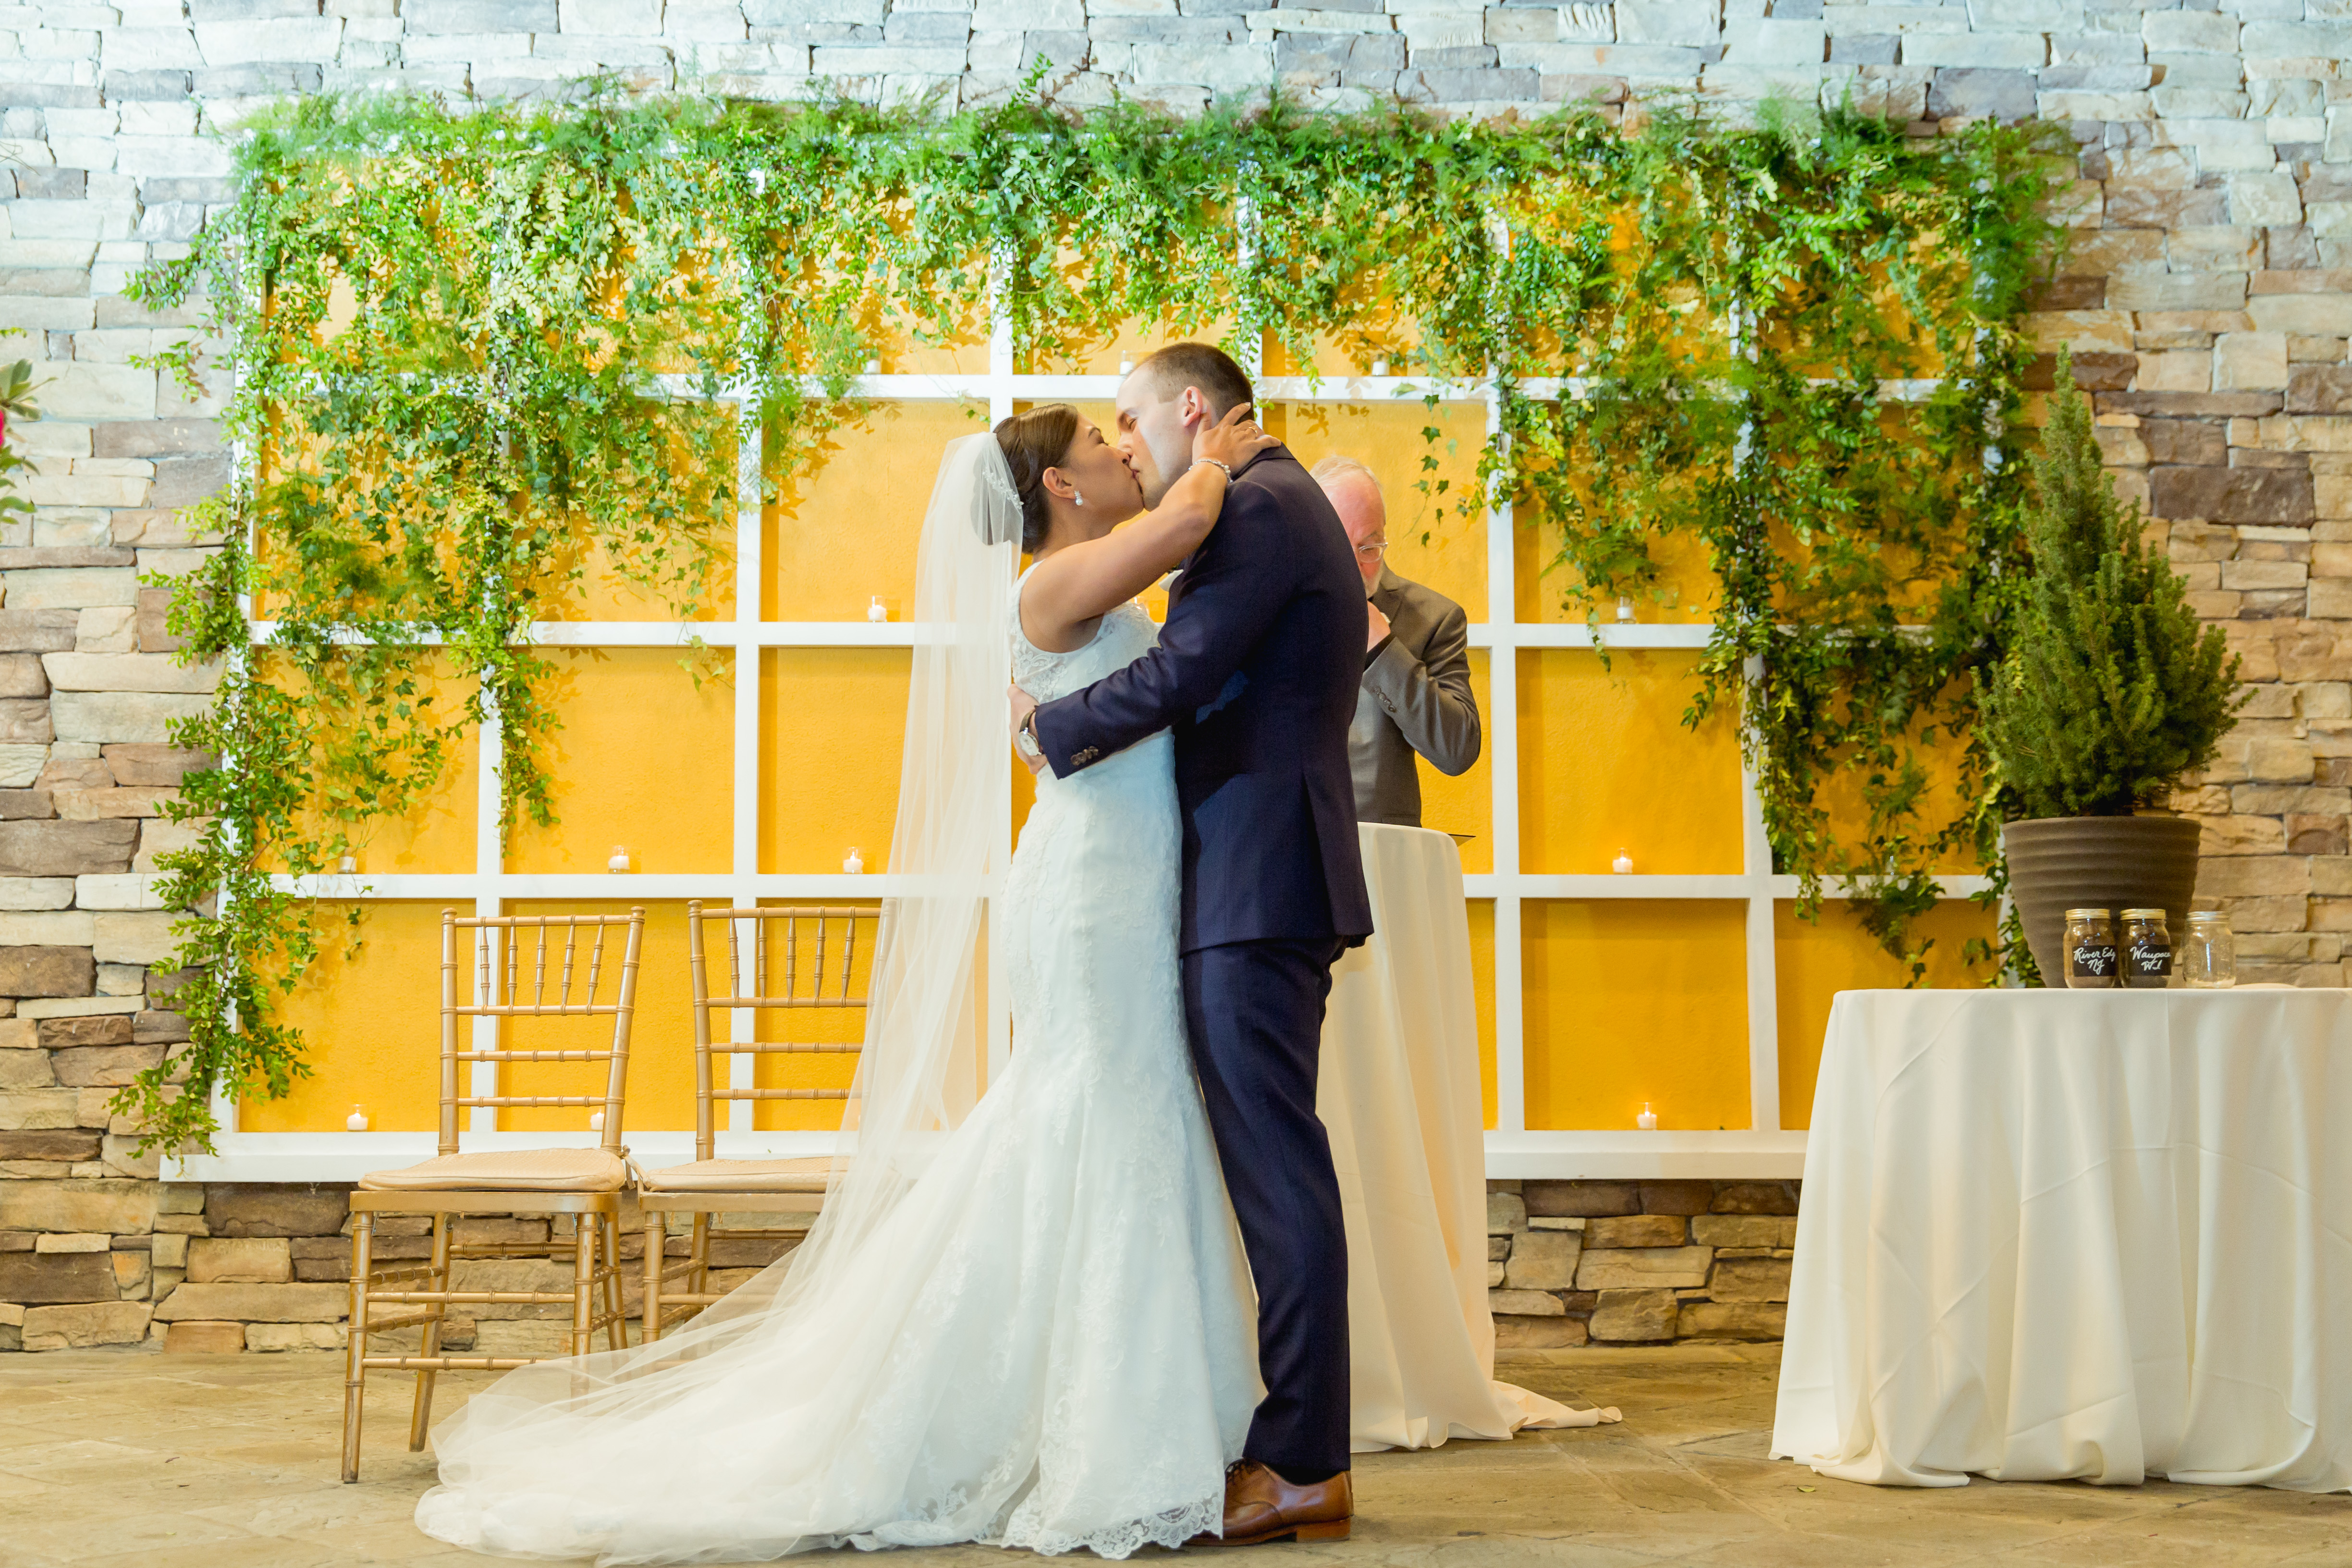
(1232, 440)
(1023, 706)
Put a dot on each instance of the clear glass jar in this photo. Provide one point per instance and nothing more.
(2090, 950)
(2209, 955)
(2147, 950)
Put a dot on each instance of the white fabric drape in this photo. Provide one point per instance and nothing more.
(1400, 1095)
(2100, 1236)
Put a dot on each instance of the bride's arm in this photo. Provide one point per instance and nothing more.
(1083, 582)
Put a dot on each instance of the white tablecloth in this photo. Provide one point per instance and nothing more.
(2091, 1235)
(1400, 1094)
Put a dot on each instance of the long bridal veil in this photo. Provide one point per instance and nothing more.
(917, 1077)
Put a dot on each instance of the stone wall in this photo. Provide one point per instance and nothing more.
(1638, 1262)
(2208, 301)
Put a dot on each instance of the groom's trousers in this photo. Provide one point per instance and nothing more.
(1253, 1011)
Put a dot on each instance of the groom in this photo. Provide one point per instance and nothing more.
(1256, 673)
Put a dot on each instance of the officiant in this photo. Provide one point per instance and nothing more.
(1415, 698)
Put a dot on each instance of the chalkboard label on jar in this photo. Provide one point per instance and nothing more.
(2150, 960)
(2094, 960)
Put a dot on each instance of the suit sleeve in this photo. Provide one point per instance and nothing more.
(1232, 592)
(1429, 697)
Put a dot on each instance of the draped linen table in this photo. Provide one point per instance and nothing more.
(1400, 1095)
(2090, 1234)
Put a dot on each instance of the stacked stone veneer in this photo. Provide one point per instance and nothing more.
(2208, 301)
(1569, 1263)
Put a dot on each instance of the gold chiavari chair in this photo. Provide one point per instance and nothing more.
(585, 1183)
(709, 1186)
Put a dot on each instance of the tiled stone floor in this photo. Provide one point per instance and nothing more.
(109, 1460)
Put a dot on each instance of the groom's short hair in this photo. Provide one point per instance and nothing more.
(1224, 383)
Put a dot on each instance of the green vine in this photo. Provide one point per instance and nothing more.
(471, 348)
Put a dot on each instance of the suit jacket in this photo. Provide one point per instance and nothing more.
(1256, 673)
(1415, 699)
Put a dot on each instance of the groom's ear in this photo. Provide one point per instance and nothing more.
(1193, 407)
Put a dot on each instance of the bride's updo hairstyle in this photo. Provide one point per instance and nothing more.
(1031, 443)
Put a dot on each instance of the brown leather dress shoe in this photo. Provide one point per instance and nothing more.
(1261, 1506)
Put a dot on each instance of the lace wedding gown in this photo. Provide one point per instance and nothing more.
(1048, 1344)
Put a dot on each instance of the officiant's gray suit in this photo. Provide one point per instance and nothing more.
(1415, 700)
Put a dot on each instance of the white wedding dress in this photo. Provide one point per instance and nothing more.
(1048, 1342)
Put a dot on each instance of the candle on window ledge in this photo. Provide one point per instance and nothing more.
(1379, 367)
(349, 865)
(619, 862)
(1648, 1120)
(1623, 865)
(854, 865)
(357, 1120)
(597, 1121)
(1625, 607)
(876, 610)
(874, 367)
(1124, 364)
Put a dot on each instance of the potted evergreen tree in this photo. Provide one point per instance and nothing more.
(2112, 691)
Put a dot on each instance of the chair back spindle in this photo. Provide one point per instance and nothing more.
(824, 928)
(499, 987)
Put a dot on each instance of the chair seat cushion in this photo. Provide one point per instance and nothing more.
(508, 1171)
(741, 1177)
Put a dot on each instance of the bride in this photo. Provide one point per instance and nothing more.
(1025, 1320)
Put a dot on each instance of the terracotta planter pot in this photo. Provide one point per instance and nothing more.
(2114, 863)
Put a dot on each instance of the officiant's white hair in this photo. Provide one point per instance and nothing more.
(1336, 466)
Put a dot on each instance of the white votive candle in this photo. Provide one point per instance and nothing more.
(348, 864)
(876, 610)
(854, 866)
(1379, 367)
(620, 860)
(1624, 606)
(874, 367)
(356, 1122)
(597, 1121)
(1648, 1120)
(1623, 865)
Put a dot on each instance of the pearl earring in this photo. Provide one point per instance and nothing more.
(1077, 496)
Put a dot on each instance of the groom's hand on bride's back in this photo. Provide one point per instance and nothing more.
(1024, 741)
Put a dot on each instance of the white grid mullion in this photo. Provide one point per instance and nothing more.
(1514, 1151)
(490, 881)
(1503, 775)
(750, 593)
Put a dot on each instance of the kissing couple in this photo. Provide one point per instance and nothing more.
(1026, 1317)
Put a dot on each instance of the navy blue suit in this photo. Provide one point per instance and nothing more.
(1256, 673)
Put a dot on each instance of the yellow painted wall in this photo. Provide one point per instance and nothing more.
(1482, 979)
(1429, 539)
(438, 835)
(1635, 1000)
(661, 1035)
(1813, 962)
(1605, 763)
(642, 762)
(835, 720)
(1626, 1001)
(373, 1015)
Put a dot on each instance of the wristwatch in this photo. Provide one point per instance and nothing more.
(1024, 738)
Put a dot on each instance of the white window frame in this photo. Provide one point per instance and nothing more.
(1765, 1149)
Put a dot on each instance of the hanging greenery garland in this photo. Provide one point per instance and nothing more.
(471, 345)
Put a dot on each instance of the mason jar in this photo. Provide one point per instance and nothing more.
(2208, 954)
(2091, 957)
(2147, 950)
